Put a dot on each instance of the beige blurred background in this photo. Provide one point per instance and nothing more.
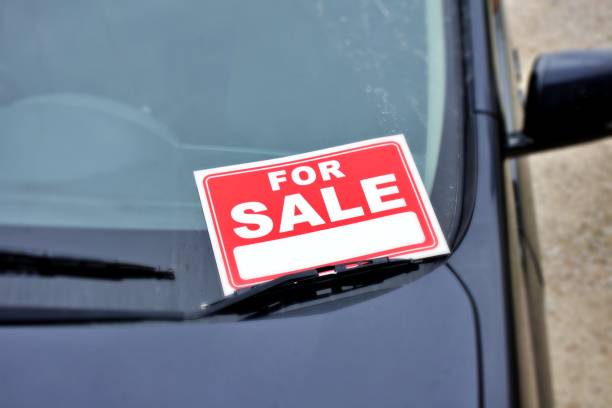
(573, 198)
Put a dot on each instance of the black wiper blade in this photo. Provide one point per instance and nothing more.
(28, 315)
(308, 285)
(46, 265)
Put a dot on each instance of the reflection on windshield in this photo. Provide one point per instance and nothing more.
(111, 106)
(106, 108)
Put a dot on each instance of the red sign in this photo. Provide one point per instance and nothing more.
(358, 201)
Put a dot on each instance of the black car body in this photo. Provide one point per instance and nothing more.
(464, 331)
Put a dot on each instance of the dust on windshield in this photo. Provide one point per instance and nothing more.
(106, 108)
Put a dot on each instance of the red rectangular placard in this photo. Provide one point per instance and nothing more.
(357, 201)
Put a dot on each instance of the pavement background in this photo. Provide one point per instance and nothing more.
(573, 199)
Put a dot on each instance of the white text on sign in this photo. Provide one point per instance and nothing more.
(296, 209)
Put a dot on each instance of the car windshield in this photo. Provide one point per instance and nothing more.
(106, 109)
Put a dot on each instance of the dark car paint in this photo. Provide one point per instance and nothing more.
(331, 359)
(446, 339)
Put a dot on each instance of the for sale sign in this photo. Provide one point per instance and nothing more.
(358, 201)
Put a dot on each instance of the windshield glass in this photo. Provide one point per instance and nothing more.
(106, 109)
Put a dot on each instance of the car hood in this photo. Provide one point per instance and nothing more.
(413, 346)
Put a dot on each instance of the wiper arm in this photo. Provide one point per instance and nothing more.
(308, 285)
(45, 265)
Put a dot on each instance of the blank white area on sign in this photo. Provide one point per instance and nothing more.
(328, 246)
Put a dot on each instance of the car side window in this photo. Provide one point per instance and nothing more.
(506, 68)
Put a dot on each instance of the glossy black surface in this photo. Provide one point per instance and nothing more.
(569, 98)
(480, 261)
(408, 347)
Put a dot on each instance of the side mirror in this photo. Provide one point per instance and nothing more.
(569, 100)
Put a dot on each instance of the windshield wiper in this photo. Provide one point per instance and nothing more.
(252, 302)
(308, 285)
(45, 265)
(28, 315)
